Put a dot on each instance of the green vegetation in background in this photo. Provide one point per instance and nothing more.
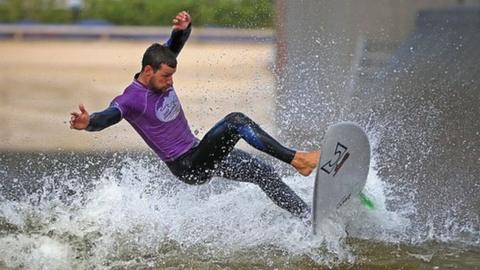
(227, 13)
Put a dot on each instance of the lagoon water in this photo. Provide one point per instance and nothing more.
(126, 211)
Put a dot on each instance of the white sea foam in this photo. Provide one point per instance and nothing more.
(137, 216)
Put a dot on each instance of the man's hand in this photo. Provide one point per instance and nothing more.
(181, 21)
(80, 120)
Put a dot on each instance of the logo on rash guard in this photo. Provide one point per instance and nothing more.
(169, 109)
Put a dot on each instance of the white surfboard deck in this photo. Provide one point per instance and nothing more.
(342, 171)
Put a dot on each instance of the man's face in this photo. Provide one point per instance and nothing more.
(162, 79)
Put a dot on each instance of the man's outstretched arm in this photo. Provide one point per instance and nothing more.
(181, 29)
(96, 121)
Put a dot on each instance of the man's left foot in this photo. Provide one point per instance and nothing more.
(305, 162)
(307, 218)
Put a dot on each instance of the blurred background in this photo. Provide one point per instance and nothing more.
(406, 71)
(56, 54)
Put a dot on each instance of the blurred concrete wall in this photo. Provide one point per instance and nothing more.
(321, 51)
(407, 71)
(424, 108)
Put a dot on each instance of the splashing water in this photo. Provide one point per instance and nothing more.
(139, 215)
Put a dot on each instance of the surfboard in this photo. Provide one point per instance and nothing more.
(342, 171)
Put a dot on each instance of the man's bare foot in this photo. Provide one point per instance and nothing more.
(305, 162)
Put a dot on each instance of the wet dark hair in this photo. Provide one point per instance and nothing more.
(156, 55)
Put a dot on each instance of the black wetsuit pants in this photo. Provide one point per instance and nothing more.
(215, 155)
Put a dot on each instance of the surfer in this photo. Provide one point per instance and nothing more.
(153, 109)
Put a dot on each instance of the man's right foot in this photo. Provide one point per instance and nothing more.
(305, 162)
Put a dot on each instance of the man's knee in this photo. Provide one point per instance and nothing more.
(194, 179)
(237, 118)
